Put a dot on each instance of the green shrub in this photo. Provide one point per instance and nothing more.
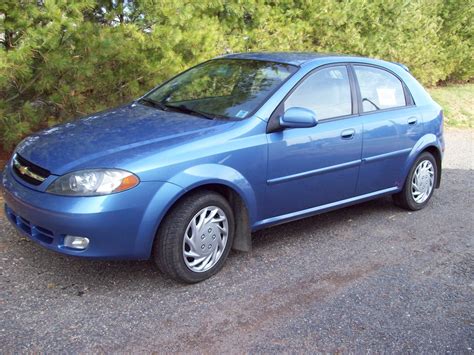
(62, 59)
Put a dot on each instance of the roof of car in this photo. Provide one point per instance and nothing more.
(294, 58)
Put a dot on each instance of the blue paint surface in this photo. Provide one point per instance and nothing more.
(280, 176)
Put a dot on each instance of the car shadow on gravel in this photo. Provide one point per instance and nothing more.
(66, 272)
(323, 223)
(88, 271)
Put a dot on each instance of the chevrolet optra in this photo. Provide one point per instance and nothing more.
(238, 143)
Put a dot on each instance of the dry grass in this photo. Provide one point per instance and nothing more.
(457, 102)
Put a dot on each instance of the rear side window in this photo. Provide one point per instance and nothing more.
(379, 89)
(327, 92)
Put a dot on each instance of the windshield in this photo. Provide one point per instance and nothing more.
(227, 88)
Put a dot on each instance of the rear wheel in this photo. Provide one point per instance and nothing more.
(419, 185)
(195, 238)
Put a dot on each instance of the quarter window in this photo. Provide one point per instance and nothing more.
(379, 89)
(327, 92)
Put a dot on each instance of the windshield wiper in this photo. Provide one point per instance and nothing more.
(180, 108)
(185, 109)
(153, 103)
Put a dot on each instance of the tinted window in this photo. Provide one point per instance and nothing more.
(379, 89)
(327, 92)
(223, 87)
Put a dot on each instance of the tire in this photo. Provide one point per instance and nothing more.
(177, 240)
(410, 197)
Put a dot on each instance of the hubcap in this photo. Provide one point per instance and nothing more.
(423, 181)
(205, 239)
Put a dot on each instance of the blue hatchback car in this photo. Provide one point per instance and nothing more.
(230, 146)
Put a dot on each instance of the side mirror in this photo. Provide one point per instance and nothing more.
(298, 117)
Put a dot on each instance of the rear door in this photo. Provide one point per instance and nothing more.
(392, 125)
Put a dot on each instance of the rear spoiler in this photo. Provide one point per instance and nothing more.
(402, 65)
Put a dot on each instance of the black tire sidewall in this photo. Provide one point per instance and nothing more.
(407, 190)
(182, 214)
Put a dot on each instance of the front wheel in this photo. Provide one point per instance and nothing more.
(419, 185)
(195, 237)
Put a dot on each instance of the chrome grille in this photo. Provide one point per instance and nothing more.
(29, 172)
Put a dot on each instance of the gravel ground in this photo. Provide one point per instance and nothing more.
(366, 278)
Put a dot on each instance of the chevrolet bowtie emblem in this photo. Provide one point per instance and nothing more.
(23, 169)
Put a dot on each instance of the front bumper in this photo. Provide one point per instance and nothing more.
(121, 225)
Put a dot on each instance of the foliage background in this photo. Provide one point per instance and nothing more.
(61, 59)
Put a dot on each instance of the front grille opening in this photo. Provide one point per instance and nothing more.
(24, 226)
(44, 231)
(33, 168)
(39, 233)
(43, 238)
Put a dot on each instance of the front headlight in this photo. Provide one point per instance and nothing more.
(93, 182)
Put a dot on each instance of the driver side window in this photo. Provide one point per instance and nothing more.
(327, 92)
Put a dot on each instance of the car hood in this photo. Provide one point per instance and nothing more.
(64, 147)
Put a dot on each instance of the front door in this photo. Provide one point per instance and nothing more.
(309, 167)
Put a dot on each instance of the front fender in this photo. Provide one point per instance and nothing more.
(164, 197)
(205, 174)
(183, 182)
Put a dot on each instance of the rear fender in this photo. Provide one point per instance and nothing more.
(424, 143)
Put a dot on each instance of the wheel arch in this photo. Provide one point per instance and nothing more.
(242, 237)
(428, 143)
(435, 152)
(226, 181)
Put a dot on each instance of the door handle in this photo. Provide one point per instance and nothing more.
(348, 133)
(412, 120)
